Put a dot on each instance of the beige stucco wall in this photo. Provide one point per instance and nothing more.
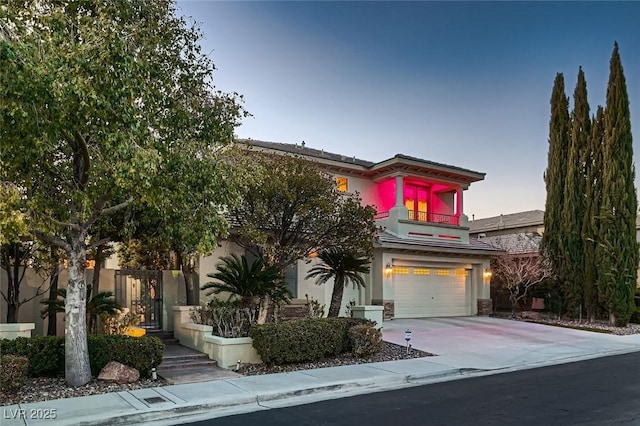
(30, 311)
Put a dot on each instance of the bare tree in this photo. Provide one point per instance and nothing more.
(520, 273)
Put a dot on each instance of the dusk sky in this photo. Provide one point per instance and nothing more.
(461, 83)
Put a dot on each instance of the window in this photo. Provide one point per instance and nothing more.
(461, 273)
(415, 200)
(421, 271)
(443, 272)
(399, 270)
(342, 184)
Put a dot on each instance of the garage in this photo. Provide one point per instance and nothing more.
(421, 291)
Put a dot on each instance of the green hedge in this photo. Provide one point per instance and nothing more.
(46, 353)
(302, 340)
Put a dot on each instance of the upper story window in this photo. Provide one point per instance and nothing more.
(342, 184)
(415, 200)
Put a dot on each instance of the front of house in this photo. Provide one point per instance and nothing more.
(424, 264)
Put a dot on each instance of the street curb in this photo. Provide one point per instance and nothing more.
(190, 410)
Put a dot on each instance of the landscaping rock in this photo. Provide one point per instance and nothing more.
(118, 373)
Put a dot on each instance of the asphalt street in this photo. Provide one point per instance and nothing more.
(603, 391)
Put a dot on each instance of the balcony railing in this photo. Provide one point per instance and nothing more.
(448, 219)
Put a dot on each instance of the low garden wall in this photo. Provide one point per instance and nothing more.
(11, 331)
(225, 351)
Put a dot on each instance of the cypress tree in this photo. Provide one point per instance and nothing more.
(619, 202)
(555, 177)
(574, 198)
(591, 223)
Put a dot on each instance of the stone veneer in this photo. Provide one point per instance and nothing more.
(485, 307)
(389, 307)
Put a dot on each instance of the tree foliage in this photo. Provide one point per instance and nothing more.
(291, 209)
(255, 285)
(98, 98)
(617, 254)
(591, 223)
(590, 227)
(344, 268)
(573, 209)
(555, 177)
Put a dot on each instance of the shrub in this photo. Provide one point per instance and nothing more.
(119, 322)
(46, 353)
(13, 372)
(635, 316)
(302, 340)
(316, 310)
(142, 353)
(365, 340)
(228, 319)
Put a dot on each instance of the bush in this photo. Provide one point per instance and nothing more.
(302, 340)
(228, 319)
(46, 353)
(635, 316)
(13, 372)
(365, 340)
(119, 323)
(141, 353)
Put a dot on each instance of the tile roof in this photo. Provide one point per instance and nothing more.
(302, 149)
(522, 243)
(508, 221)
(474, 245)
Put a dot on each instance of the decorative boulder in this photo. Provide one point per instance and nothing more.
(118, 373)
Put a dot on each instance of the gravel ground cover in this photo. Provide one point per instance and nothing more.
(47, 388)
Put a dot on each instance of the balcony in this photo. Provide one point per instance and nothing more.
(431, 217)
(426, 217)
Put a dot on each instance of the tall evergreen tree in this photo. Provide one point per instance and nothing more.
(574, 200)
(555, 177)
(617, 236)
(591, 222)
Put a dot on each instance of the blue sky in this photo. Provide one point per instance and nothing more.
(462, 83)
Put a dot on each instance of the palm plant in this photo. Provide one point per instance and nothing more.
(343, 267)
(253, 285)
(102, 303)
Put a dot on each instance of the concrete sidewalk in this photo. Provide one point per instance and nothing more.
(176, 404)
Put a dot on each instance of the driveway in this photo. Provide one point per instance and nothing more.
(491, 343)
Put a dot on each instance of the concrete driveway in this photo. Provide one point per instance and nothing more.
(491, 343)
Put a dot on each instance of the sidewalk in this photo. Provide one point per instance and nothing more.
(176, 404)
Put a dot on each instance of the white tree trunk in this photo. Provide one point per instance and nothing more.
(77, 370)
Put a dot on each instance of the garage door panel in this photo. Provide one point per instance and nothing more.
(421, 292)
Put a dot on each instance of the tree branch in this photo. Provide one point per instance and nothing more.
(66, 225)
(99, 243)
(53, 240)
(117, 207)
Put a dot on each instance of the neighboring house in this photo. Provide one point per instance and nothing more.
(425, 264)
(515, 223)
(516, 233)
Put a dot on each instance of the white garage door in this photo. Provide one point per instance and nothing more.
(430, 292)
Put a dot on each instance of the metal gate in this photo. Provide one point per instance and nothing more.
(141, 291)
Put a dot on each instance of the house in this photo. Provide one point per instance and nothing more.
(516, 233)
(425, 263)
(519, 233)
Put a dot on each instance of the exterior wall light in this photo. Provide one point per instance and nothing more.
(487, 274)
(388, 270)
